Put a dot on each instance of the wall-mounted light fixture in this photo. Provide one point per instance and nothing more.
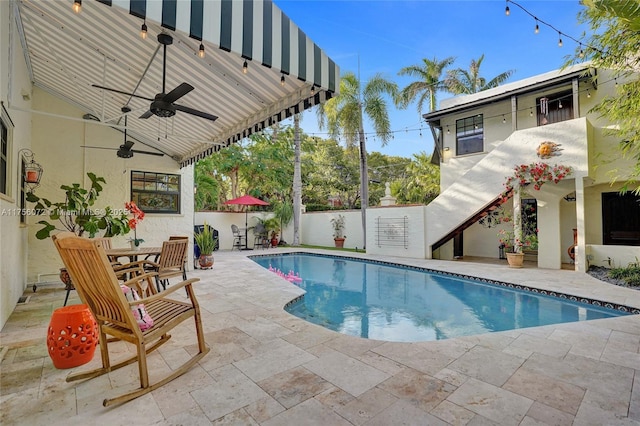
(32, 171)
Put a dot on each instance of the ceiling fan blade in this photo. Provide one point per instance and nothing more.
(195, 112)
(146, 114)
(127, 145)
(159, 154)
(98, 147)
(177, 93)
(121, 92)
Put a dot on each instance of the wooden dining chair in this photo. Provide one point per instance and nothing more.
(182, 237)
(98, 288)
(171, 262)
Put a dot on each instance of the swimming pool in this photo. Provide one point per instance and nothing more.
(383, 301)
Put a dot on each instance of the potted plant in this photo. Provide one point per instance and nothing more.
(207, 244)
(76, 214)
(525, 175)
(338, 231)
(512, 247)
(273, 230)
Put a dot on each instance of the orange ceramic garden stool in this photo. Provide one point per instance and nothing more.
(72, 337)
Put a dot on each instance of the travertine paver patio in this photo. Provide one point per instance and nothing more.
(270, 368)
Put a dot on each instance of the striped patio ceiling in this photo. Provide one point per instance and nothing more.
(67, 53)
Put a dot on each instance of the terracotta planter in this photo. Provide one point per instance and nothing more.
(515, 260)
(339, 242)
(205, 261)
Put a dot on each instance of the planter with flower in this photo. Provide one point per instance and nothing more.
(533, 175)
(338, 231)
(137, 216)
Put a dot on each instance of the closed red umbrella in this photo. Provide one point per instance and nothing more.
(246, 200)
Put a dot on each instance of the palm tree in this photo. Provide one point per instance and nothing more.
(297, 181)
(427, 84)
(461, 81)
(344, 117)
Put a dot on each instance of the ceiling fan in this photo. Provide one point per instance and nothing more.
(163, 104)
(125, 151)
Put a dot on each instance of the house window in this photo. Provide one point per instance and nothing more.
(555, 108)
(4, 157)
(156, 192)
(620, 219)
(469, 135)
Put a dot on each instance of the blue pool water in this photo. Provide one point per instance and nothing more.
(402, 304)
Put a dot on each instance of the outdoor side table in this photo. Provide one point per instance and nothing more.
(72, 336)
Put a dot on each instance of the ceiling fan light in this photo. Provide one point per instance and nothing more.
(201, 51)
(77, 6)
(143, 31)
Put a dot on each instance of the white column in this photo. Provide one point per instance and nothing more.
(549, 241)
(580, 251)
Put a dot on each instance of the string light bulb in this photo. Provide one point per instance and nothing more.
(282, 80)
(245, 67)
(77, 6)
(313, 90)
(531, 112)
(201, 51)
(588, 94)
(616, 82)
(560, 104)
(507, 11)
(448, 131)
(504, 120)
(537, 30)
(143, 31)
(559, 39)
(581, 53)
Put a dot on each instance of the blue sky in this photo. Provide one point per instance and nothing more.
(384, 36)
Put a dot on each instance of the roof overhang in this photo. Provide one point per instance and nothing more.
(67, 53)
(530, 85)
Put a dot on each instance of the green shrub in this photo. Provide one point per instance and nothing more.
(629, 274)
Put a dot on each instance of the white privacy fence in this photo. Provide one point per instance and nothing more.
(395, 231)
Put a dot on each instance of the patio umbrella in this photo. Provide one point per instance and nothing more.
(246, 200)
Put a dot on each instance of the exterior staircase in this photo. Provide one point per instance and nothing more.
(477, 191)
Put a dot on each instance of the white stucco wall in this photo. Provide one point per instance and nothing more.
(386, 227)
(14, 82)
(316, 228)
(58, 143)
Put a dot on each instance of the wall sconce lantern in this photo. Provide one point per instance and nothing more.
(32, 171)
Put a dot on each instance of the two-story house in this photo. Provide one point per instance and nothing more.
(481, 137)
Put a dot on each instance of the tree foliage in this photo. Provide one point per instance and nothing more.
(461, 81)
(614, 44)
(428, 82)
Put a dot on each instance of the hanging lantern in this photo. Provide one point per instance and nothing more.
(31, 171)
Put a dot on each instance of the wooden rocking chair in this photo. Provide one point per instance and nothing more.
(98, 287)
